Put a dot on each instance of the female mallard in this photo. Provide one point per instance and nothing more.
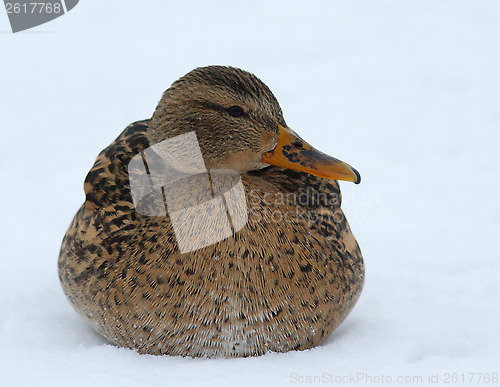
(211, 229)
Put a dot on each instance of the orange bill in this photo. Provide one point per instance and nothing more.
(294, 153)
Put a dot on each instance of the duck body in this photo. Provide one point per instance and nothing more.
(284, 281)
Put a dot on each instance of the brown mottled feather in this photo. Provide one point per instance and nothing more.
(272, 286)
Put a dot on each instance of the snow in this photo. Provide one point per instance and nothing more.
(406, 91)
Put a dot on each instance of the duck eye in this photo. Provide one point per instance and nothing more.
(235, 111)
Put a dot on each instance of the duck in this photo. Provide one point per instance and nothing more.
(212, 229)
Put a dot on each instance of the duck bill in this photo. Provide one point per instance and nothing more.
(294, 153)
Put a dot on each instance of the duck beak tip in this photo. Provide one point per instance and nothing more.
(358, 180)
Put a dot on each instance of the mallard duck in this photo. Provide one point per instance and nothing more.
(159, 273)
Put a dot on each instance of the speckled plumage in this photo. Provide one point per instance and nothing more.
(275, 285)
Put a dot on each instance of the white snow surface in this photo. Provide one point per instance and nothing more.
(406, 91)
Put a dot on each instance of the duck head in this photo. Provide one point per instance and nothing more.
(239, 125)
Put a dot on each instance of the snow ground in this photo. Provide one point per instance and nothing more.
(407, 91)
